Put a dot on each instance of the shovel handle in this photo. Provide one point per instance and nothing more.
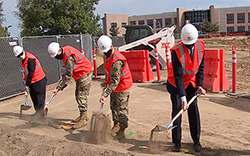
(26, 94)
(101, 106)
(181, 111)
(46, 104)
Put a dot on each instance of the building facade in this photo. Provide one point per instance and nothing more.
(119, 19)
(234, 19)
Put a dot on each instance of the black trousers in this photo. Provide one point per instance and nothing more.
(38, 93)
(193, 114)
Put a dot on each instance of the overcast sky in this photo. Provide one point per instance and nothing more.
(131, 7)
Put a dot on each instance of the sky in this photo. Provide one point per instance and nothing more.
(130, 7)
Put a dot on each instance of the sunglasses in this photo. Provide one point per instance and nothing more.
(18, 56)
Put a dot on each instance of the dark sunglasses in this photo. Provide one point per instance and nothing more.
(18, 56)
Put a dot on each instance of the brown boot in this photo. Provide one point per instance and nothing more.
(78, 119)
(82, 121)
(115, 129)
(120, 134)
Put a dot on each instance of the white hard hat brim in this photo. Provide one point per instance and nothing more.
(104, 50)
(189, 42)
(53, 55)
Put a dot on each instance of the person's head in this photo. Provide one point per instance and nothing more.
(104, 44)
(189, 34)
(54, 49)
(19, 52)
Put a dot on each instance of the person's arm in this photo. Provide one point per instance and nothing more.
(31, 70)
(68, 73)
(199, 77)
(178, 74)
(115, 77)
(200, 73)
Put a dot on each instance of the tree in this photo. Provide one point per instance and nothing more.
(114, 30)
(53, 17)
(2, 19)
(209, 28)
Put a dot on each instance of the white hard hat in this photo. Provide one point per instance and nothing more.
(17, 50)
(189, 34)
(53, 49)
(104, 43)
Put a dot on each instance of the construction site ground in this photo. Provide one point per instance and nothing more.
(225, 119)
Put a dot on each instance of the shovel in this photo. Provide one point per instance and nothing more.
(46, 104)
(25, 106)
(166, 128)
(171, 125)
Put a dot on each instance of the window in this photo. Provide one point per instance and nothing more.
(150, 23)
(241, 18)
(135, 34)
(241, 28)
(230, 18)
(175, 20)
(141, 22)
(168, 21)
(144, 33)
(132, 22)
(197, 16)
(123, 24)
(158, 23)
(138, 34)
(248, 17)
(230, 29)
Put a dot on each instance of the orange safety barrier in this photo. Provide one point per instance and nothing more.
(214, 72)
(138, 61)
(224, 82)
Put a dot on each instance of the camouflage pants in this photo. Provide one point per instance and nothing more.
(82, 91)
(119, 107)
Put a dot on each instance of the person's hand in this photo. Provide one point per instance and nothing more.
(103, 85)
(184, 105)
(102, 99)
(200, 90)
(26, 88)
(55, 92)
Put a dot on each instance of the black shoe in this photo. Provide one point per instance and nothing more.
(177, 148)
(197, 147)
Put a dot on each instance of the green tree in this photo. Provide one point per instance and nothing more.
(114, 30)
(2, 19)
(209, 28)
(53, 17)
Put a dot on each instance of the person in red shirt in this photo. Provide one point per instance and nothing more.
(80, 68)
(117, 85)
(35, 79)
(185, 78)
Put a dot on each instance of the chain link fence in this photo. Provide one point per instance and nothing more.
(11, 78)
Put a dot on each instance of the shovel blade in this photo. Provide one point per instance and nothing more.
(159, 128)
(25, 107)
